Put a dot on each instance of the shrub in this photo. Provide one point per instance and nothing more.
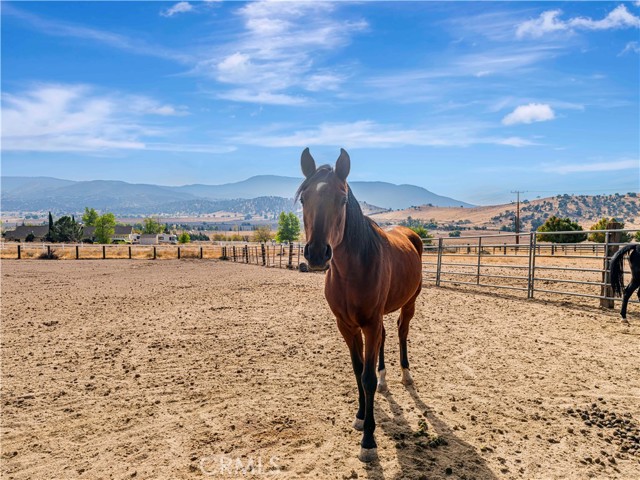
(600, 237)
(30, 237)
(262, 234)
(184, 238)
(50, 255)
(455, 233)
(555, 224)
(422, 232)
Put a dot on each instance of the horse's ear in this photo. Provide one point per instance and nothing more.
(307, 163)
(343, 165)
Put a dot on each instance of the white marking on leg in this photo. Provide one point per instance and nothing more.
(406, 377)
(382, 381)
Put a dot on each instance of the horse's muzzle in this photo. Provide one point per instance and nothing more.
(318, 256)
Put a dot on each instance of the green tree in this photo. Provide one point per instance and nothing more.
(105, 228)
(89, 217)
(66, 229)
(152, 226)
(50, 234)
(600, 237)
(184, 238)
(262, 234)
(288, 227)
(555, 224)
(426, 237)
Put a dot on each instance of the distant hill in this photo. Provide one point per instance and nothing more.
(64, 196)
(584, 209)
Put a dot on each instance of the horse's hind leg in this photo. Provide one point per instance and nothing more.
(382, 372)
(406, 314)
(635, 283)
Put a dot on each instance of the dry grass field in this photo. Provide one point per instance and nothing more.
(142, 369)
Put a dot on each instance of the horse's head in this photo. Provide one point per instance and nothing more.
(324, 195)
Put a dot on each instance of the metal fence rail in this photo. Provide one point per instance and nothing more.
(528, 265)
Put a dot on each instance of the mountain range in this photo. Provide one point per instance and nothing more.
(64, 196)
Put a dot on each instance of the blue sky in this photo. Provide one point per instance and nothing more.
(467, 99)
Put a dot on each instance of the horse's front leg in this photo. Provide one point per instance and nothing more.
(372, 340)
(353, 339)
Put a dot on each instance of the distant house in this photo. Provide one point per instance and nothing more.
(123, 233)
(21, 233)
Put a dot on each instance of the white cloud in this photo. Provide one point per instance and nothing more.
(369, 134)
(549, 22)
(631, 47)
(625, 164)
(277, 55)
(180, 7)
(533, 112)
(77, 118)
(264, 98)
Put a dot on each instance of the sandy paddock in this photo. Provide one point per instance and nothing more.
(142, 369)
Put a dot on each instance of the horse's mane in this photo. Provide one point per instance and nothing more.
(361, 234)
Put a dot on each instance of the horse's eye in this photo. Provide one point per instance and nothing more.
(301, 202)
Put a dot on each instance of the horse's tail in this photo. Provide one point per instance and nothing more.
(617, 269)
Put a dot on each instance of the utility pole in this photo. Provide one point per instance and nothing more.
(518, 192)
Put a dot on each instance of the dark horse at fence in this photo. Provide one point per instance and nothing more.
(371, 272)
(617, 276)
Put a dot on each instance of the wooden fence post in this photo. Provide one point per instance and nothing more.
(48, 250)
(178, 253)
(104, 252)
(129, 252)
(155, 253)
(281, 254)
(77, 252)
(290, 264)
(264, 256)
(19, 252)
(609, 250)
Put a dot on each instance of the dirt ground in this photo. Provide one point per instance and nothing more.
(207, 369)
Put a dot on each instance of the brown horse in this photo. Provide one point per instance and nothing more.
(371, 272)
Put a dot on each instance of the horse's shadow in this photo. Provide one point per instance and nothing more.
(455, 459)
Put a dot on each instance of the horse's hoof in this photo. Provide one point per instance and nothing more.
(406, 377)
(368, 454)
(358, 424)
(382, 387)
